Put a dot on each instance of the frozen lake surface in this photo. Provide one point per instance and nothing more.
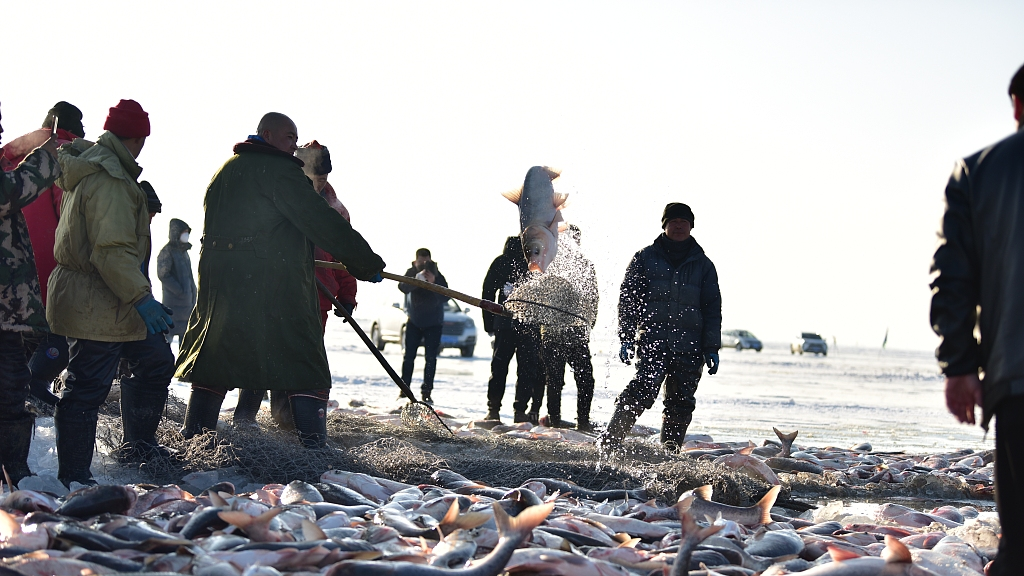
(892, 399)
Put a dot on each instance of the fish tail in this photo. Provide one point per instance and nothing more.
(522, 524)
(766, 503)
(786, 439)
(311, 531)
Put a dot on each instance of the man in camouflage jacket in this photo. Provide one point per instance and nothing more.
(21, 307)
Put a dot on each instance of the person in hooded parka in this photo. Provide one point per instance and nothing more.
(174, 269)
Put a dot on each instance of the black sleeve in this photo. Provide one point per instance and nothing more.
(632, 299)
(493, 282)
(711, 310)
(955, 281)
(406, 288)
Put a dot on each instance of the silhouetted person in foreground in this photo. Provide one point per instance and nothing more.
(980, 264)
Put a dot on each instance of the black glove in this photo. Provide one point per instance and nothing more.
(348, 308)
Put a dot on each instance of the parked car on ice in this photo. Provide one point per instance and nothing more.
(809, 342)
(740, 340)
(459, 330)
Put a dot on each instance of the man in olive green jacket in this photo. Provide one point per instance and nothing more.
(100, 299)
(256, 324)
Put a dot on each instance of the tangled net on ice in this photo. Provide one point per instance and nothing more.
(411, 447)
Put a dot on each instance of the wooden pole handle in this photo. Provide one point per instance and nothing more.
(492, 307)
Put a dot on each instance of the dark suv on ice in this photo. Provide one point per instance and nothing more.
(809, 342)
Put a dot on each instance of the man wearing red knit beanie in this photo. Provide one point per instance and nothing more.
(100, 299)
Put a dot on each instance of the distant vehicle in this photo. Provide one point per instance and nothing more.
(459, 330)
(809, 342)
(740, 340)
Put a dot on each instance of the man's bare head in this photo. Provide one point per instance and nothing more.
(279, 131)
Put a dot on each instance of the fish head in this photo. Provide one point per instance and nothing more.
(539, 247)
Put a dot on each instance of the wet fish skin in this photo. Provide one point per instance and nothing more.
(29, 501)
(454, 551)
(335, 493)
(539, 215)
(698, 503)
(776, 543)
(567, 489)
(793, 465)
(513, 532)
(202, 520)
(299, 491)
(95, 500)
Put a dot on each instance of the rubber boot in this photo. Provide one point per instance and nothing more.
(202, 412)
(492, 414)
(583, 401)
(673, 430)
(76, 436)
(310, 415)
(520, 417)
(17, 435)
(281, 410)
(621, 423)
(142, 407)
(248, 406)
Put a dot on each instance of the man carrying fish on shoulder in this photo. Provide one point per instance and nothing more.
(256, 324)
(670, 311)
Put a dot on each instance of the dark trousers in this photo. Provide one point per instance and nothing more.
(431, 341)
(93, 366)
(680, 374)
(14, 376)
(529, 368)
(572, 346)
(1010, 485)
(523, 342)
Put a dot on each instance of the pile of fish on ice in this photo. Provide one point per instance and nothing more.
(352, 523)
(852, 472)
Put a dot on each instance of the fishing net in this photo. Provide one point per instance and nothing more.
(418, 445)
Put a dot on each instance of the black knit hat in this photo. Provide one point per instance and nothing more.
(676, 210)
(151, 198)
(69, 118)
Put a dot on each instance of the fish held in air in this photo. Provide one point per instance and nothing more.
(539, 215)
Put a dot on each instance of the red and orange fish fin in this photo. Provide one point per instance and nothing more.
(704, 492)
(8, 525)
(746, 451)
(840, 554)
(766, 503)
(311, 531)
(895, 551)
(514, 196)
(560, 200)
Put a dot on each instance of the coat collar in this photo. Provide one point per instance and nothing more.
(254, 146)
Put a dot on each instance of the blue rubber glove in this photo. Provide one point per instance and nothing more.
(155, 315)
(626, 352)
(712, 361)
(377, 278)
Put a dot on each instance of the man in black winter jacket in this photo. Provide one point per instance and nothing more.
(512, 337)
(670, 296)
(979, 263)
(426, 321)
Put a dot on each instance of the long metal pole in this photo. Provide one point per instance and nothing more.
(492, 307)
(341, 311)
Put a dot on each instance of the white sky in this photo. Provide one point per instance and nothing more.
(813, 140)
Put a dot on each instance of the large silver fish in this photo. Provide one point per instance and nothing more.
(539, 216)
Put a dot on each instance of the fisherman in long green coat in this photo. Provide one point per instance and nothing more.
(256, 324)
